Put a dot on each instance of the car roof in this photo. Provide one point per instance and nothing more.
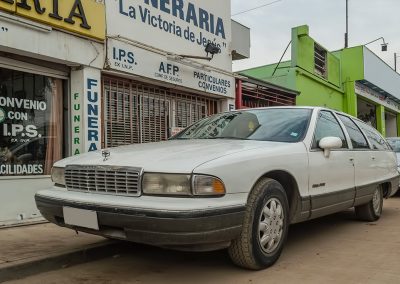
(302, 107)
(291, 107)
(278, 107)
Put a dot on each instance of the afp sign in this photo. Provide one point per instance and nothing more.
(85, 17)
(138, 61)
(174, 26)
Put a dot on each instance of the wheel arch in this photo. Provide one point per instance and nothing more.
(387, 188)
(290, 186)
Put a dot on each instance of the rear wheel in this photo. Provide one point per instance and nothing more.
(265, 227)
(371, 211)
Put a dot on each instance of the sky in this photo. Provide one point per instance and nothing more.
(270, 26)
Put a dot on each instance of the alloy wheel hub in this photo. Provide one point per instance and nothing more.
(271, 225)
(376, 201)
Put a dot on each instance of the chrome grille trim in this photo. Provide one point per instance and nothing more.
(113, 180)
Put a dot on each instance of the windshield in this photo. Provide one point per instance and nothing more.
(280, 125)
(394, 143)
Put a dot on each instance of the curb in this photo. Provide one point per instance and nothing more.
(23, 268)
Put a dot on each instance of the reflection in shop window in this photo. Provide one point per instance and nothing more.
(366, 112)
(31, 115)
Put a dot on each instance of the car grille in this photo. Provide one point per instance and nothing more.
(103, 180)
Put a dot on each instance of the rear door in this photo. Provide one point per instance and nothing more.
(331, 180)
(381, 163)
(364, 170)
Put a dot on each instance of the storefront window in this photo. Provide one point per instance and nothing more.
(366, 112)
(31, 120)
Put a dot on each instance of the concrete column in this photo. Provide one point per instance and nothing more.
(398, 124)
(239, 95)
(380, 119)
(350, 99)
(86, 110)
(227, 105)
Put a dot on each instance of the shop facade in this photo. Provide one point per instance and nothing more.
(82, 75)
(255, 93)
(38, 75)
(353, 80)
(154, 83)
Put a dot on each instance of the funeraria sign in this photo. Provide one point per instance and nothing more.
(83, 17)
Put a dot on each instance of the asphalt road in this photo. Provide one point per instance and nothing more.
(334, 249)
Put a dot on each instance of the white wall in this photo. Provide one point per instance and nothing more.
(240, 41)
(23, 37)
(380, 74)
(43, 42)
(17, 204)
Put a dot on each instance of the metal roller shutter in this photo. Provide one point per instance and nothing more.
(135, 112)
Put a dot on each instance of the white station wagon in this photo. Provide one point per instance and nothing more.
(234, 180)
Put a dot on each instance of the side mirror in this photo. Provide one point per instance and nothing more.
(329, 143)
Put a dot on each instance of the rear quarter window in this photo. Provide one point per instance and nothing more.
(374, 137)
(357, 138)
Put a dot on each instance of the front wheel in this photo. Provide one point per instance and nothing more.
(371, 211)
(265, 227)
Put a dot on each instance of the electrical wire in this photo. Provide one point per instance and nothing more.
(258, 7)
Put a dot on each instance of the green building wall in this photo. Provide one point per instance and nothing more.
(298, 74)
(352, 69)
(336, 90)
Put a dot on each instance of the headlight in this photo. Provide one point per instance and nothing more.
(58, 175)
(208, 186)
(166, 184)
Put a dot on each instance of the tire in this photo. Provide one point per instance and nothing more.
(247, 251)
(372, 210)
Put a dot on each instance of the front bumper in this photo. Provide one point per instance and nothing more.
(211, 228)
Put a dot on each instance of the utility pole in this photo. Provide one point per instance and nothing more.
(346, 35)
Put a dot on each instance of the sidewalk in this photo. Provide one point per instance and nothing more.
(34, 249)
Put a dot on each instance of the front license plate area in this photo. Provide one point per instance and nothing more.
(81, 218)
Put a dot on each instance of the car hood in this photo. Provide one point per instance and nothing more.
(176, 156)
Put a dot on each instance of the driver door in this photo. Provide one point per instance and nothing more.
(331, 179)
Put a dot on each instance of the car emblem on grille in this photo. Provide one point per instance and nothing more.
(106, 154)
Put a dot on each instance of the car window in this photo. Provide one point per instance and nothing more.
(376, 140)
(394, 143)
(357, 138)
(279, 124)
(328, 126)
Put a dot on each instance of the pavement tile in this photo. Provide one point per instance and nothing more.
(36, 241)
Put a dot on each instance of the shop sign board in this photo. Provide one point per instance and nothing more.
(19, 130)
(92, 109)
(175, 26)
(85, 17)
(85, 111)
(375, 96)
(77, 112)
(128, 58)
